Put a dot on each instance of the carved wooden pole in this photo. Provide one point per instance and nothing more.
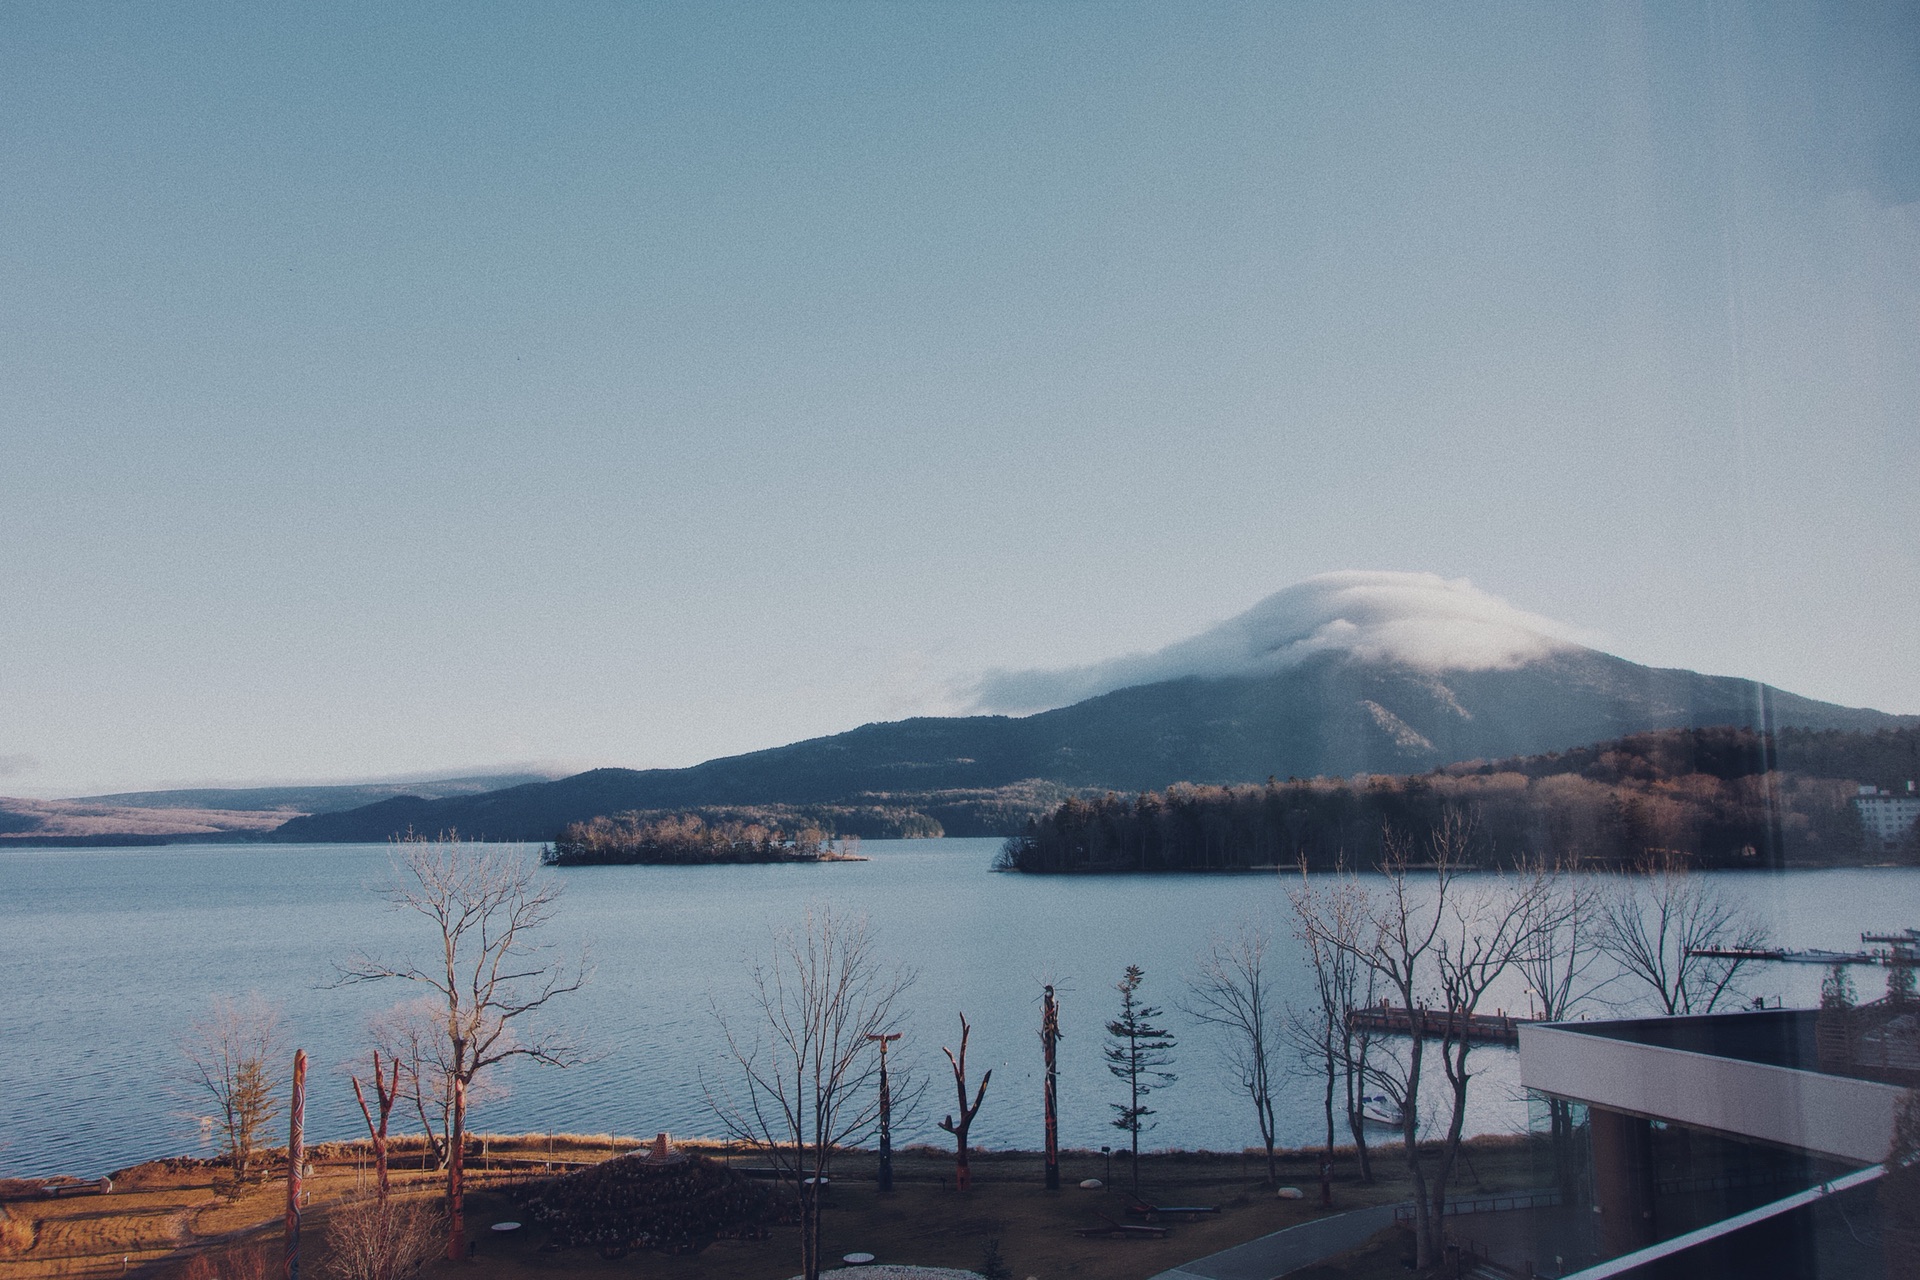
(296, 1161)
(886, 1112)
(1049, 1038)
(962, 1172)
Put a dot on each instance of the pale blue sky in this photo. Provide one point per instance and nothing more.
(395, 387)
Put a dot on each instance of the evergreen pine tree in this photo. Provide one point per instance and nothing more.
(1138, 1052)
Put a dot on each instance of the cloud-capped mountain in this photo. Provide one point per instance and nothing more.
(1418, 620)
(1346, 673)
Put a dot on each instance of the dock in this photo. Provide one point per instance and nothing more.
(1881, 949)
(1437, 1024)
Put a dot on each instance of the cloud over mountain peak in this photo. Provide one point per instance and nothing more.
(1421, 619)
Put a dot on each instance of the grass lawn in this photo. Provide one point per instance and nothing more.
(156, 1218)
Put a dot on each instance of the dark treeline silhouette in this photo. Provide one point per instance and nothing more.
(1719, 797)
(879, 815)
(681, 839)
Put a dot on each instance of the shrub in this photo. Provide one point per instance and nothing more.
(244, 1262)
(373, 1239)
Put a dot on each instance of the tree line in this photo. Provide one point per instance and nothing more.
(682, 839)
(1719, 797)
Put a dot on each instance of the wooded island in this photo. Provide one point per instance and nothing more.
(687, 840)
(1721, 797)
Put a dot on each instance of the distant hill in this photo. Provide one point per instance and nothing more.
(312, 799)
(1331, 713)
(209, 813)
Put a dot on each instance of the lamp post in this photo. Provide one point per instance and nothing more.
(1107, 1151)
(886, 1113)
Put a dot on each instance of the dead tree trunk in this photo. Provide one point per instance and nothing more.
(962, 1175)
(456, 1174)
(1050, 1039)
(388, 1093)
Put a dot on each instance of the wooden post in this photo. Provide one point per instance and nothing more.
(1049, 1038)
(296, 1160)
(886, 1113)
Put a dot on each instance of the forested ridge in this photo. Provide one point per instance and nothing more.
(1332, 715)
(1719, 797)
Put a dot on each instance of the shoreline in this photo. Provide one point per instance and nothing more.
(408, 1152)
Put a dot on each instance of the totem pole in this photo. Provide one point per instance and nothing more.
(886, 1113)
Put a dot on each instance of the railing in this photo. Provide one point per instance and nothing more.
(1403, 1213)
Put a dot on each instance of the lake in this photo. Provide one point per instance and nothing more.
(107, 954)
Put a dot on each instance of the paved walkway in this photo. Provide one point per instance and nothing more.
(1283, 1251)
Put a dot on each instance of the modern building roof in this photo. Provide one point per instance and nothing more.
(1753, 1075)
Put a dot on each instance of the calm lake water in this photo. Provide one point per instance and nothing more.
(107, 954)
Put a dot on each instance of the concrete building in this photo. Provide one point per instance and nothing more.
(1737, 1144)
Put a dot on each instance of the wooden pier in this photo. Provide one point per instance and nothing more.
(1436, 1024)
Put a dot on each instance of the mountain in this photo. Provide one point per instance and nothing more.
(210, 813)
(1327, 710)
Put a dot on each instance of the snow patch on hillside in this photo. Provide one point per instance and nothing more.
(1420, 619)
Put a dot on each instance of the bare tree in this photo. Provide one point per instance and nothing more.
(1484, 933)
(488, 975)
(1660, 920)
(807, 1064)
(1566, 938)
(1438, 948)
(1335, 924)
(1559, 964)
(410, 1035)
(1231, 989)
(231, 1055)
(962, 1173)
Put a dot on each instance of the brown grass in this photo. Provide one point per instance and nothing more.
(76, 818)
(159, 1216)
(16, 1234)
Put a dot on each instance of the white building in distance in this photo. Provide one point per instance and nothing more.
(1887, 816)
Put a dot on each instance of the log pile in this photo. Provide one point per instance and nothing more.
(680, 1203)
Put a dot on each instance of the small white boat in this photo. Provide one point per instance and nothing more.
(1379, 1109)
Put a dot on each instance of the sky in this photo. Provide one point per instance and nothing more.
(399, 388)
